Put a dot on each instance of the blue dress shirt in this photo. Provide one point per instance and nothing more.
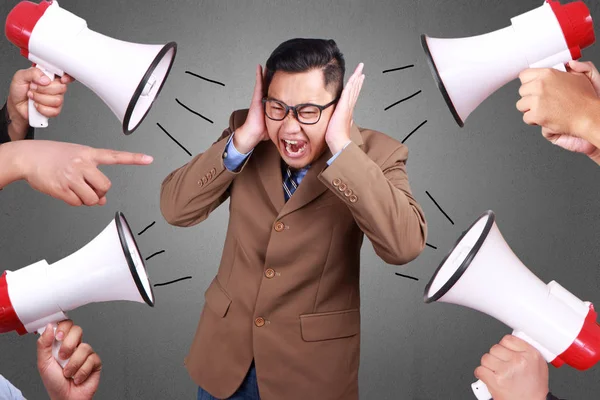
(8, 391)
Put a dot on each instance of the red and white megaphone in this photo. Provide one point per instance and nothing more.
(481, 272)
(468, 70)
(109, 268)
(126, 76)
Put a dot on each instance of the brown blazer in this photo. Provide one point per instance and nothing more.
(287, 291)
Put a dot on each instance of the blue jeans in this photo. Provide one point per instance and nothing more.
(248, 390)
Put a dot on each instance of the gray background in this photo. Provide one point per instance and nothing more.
(545, 199)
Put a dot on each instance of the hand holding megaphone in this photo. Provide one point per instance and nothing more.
(46, 101)
(565, 105)
(80, 378)
(513, 369)
(62, 357)
(30, 90)
(45, 96)
(481, 390)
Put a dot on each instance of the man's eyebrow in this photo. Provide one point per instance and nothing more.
(281, 101)
(274, 98)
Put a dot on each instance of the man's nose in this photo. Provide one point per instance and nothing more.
(290, 123)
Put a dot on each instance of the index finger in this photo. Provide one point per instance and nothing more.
(528, 75)
(514, 343)
(110, 157)
(66, 79)
(62, 329)
(484, 374)
(70, 342)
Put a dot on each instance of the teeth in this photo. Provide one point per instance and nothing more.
(289, 143)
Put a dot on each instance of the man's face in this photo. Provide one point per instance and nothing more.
(299, 144)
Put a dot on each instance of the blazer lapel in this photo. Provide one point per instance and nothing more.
(269, 169)
(311, 187)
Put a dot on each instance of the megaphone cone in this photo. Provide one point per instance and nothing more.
(128, 77)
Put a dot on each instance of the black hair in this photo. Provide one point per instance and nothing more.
(302, 55)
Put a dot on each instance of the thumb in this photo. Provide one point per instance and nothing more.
(589, 70)
(578, 66)
(586, 68)
(35, 75)
(44, 345)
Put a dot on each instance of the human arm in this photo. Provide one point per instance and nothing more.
(377, 194)
(64, 171)
(380, 200)
(190, 193)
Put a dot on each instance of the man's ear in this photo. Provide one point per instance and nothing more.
(265, 86)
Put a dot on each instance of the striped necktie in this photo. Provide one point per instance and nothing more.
(289, 183)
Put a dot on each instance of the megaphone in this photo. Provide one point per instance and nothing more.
(126, 76)
(468, 70)
(109, 268)
(481, 272)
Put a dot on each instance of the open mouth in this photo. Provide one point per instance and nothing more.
(294, 148)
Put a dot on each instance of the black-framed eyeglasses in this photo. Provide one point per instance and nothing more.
(307, 114)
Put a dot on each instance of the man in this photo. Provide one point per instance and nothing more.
(62, 170)
(565, 105)
(515, 370)
(305, 184)
(81, 376)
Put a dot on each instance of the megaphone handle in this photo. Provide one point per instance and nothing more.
(481, 391)
(37, 120)
(55, 347)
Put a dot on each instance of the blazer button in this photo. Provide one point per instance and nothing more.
(353, 199)
(260, 321)
(342, 187)
(348, 193)
(200, 183)
(208, 176)
(279, 226)
(213, 172)
(336, 182)
(204, 180)
(270, 273)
